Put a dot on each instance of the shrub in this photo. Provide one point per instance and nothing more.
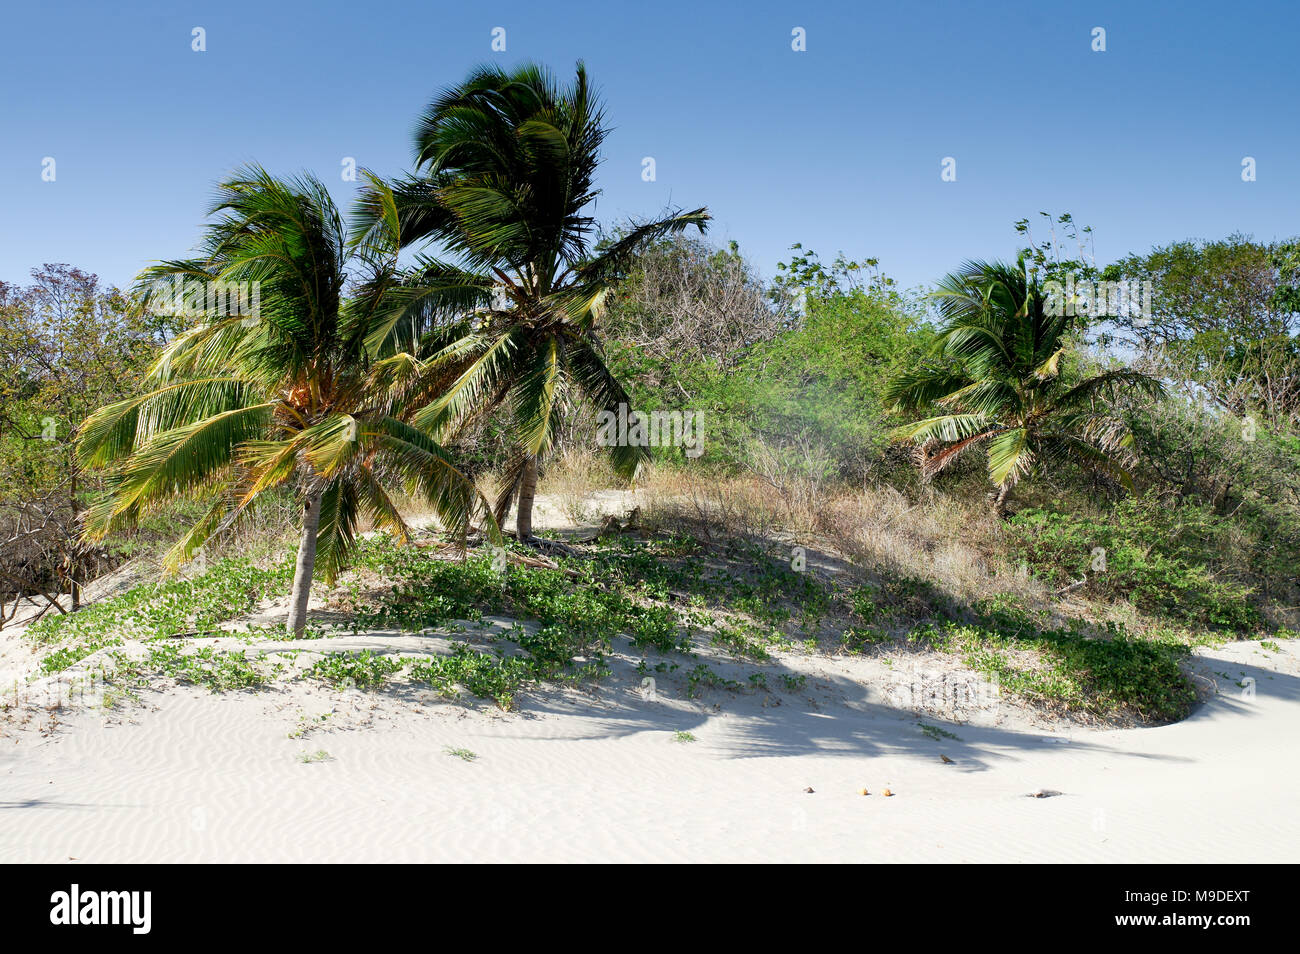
(1106, 675)
(1155, 556)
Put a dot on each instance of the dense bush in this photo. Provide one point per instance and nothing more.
(1173, 561)
(1101, 674)
(787, 381)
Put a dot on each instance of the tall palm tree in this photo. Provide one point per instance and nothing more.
(996, 380)
(243, 403)
(504, 183)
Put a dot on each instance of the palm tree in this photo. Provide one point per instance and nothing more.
(505, 166)
(996, 380)
(243, 403)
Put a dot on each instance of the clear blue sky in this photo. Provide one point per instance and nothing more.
(838, 147)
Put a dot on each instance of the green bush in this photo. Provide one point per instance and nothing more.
(488, 677)
(205, 666)
(1111, 674)
(230, 588)
(364, 670)
(1155, 556)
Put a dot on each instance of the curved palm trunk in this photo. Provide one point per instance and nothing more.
(1000, 504)
(306, 566)
(74, 588)
(527, 493)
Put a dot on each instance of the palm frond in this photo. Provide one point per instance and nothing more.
(945, 427)
(1011, 456)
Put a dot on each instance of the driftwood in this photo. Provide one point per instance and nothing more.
(1071, 587)
(536, 560)
(21, 584)
(612, 526)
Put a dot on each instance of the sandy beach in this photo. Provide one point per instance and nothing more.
(308, 774)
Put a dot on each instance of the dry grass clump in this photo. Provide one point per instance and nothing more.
(948, 540)
(710, 507)
(572, 478)
(952, 543)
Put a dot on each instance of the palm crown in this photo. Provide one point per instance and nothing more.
(996, 380)
(297, 393)
(506, 164)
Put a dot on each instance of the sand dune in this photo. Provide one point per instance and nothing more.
(574, 776)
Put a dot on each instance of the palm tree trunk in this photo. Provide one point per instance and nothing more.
(74, 588)
(1000, 504)
(527, 492)
(306, 566)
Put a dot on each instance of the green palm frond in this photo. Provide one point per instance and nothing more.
(990, 397)
(336, 537)
(945, 427)
(1108, 385)
(117, 429)
(613, 261)
(918, 388)
(375, 501)
(507, 163)
(1011, 456)
(228, 507)
(267, 464)
(174, 463)
(398, 311)
(331, 444)
(1000, 368)
(405, 210)
(486, 372)
(429, 473)
(534, 397)
(604, 392)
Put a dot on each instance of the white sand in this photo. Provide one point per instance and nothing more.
(183, 775)
(189, 776)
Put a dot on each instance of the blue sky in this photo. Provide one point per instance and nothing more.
(838, 147)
